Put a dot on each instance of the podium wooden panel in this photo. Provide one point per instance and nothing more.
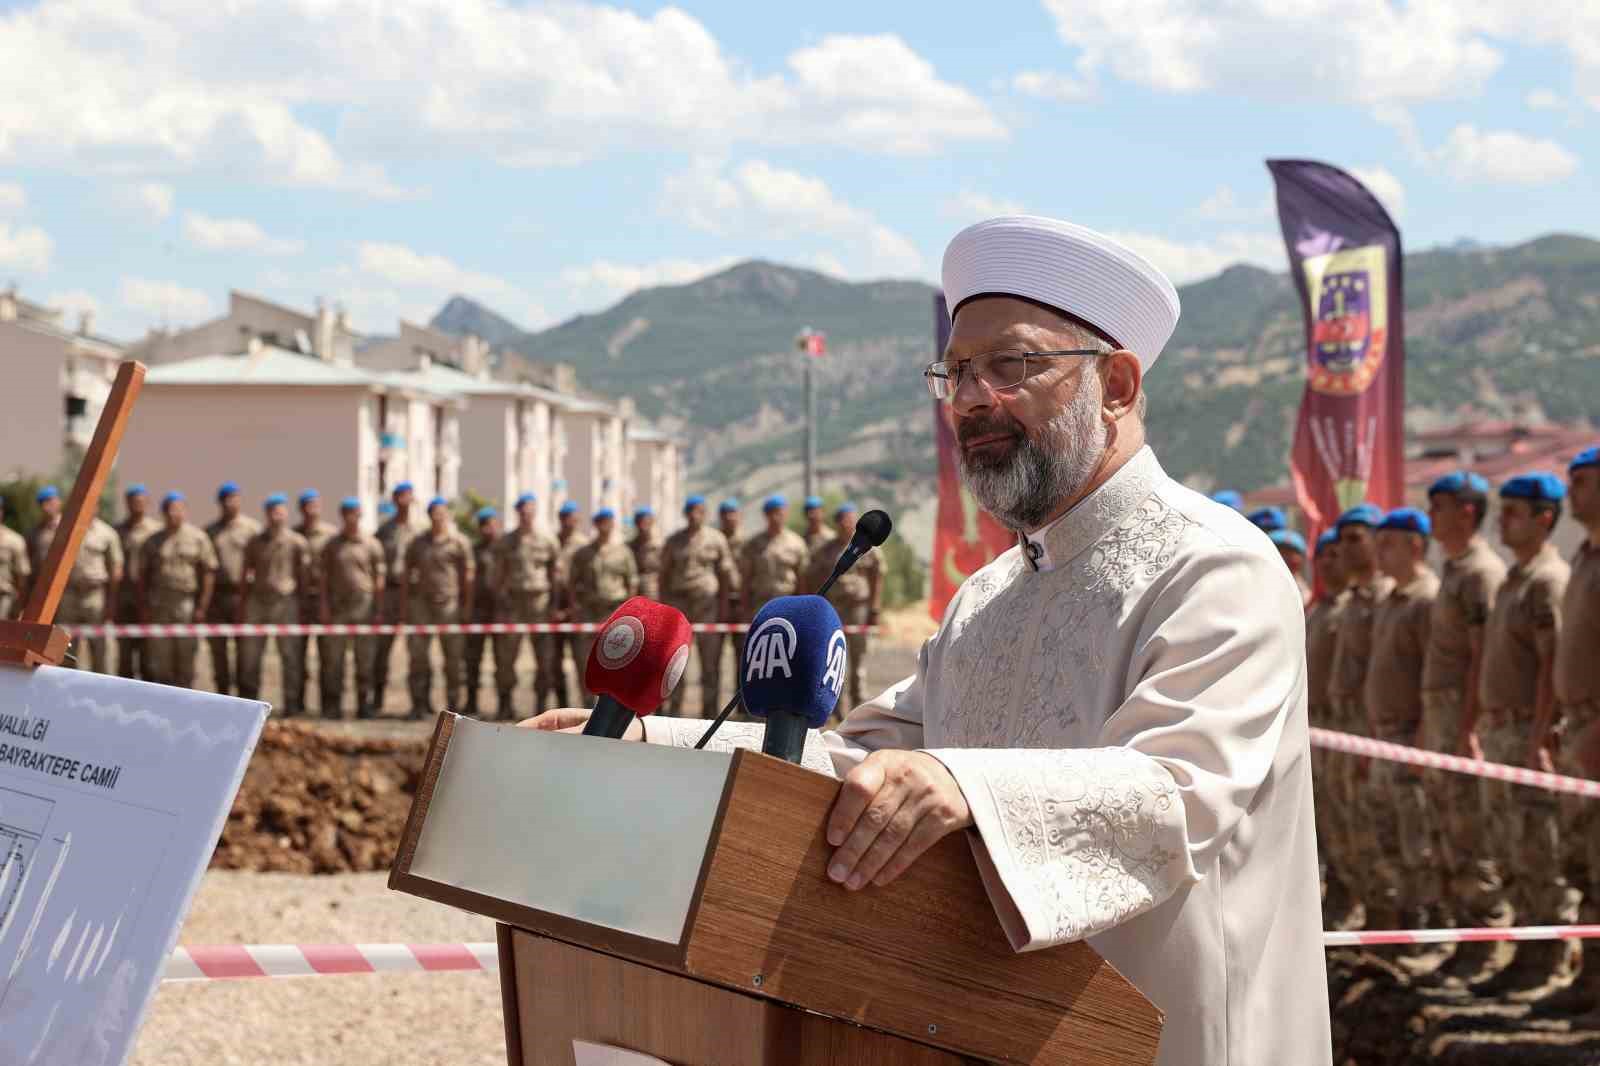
(768, 938)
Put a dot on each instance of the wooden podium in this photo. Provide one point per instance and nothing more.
(674, 902)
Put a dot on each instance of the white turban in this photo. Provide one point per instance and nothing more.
(1086, 274)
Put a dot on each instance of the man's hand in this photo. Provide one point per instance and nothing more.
(1469, 747)
(892, 808)
(572, 720)
(1538, 758)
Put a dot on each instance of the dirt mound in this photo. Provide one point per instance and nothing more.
(315, 802)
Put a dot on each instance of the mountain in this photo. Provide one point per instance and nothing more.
(1504, 332)
(461, 316)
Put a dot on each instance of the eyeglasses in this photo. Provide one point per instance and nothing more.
(999, 371)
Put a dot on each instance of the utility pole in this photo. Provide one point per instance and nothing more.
(812, 345)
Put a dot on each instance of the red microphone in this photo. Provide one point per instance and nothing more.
(637, 660)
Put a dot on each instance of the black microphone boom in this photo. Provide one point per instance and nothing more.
(609, 719)
(786, 736)
(872, 530)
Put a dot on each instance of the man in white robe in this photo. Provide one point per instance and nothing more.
(1115, 709)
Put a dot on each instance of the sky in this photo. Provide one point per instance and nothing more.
(546, 159)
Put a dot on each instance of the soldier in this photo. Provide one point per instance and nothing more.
(857, 596)
(229, 533)
(1577, 677)
(352, 589)
(646, 547)
(317, 534)
(1471, 577)
(40, 536)
(1393, 698)
(817, 533)
(1322, 630)
(92, 588)
(132, 531)
(698, 577)
(177, 570)
(771, 562)
(568, 540)
(604, 575)
(271, 588)
(1292, 550)
(1268, 519)
(1229, 498)
(528, 564)
(395, 533)
(440, 580)
(15, 569)
(728, 524)
(1366, 588)
(484, 608)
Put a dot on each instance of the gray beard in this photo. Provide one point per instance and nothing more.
(1026, 487)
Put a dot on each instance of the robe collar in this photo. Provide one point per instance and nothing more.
(1095, 515)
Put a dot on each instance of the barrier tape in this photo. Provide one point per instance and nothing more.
(228, 962)
(354, 629)
(1517, 775)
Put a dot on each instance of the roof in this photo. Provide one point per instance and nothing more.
(270, 366)
(646, 433)
(438, 377)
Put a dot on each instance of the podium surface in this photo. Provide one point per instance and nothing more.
(650, 894)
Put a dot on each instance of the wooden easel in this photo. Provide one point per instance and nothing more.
(35, 639)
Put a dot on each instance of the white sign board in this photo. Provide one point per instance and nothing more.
(112, 796)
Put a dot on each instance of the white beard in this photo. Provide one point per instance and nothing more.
(1025, 488)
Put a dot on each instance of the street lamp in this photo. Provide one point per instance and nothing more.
(812, 344)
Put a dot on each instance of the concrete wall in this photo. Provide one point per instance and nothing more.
(32, 408)
(654, 478)
(326, 332)
(488, 449)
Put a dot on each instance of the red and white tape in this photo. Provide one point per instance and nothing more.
(1358, 938)
(362, 629)
(1517, 775)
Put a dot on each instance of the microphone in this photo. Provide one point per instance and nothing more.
(793, 671)
(872, 529)
(637, 660)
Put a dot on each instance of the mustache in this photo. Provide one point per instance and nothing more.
(972, 429)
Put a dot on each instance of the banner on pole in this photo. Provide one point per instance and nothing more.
(1344, 258)
(965, 536)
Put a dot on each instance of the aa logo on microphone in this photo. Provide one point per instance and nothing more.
(771, 648)
(621, 643)
(837, 663)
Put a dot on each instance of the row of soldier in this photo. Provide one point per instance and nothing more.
(1479, 660)
(421, 570)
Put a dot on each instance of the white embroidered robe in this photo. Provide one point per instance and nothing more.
(1129, 728)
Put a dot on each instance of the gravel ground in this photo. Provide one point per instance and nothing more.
(448, 1019)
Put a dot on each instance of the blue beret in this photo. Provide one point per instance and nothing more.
(1408, 519)
(526, 497)
(350, 503)
(309, 495)
(226, 489)
(1539, 486)
(386, 508)
(1460, 481)
(1229, 498)
(568, 508)
(813, 502)
(730, 504)
(847, 507)
(486, 513)
(171, 497)
(49, 492)
(1269, 518)
(277, 499)
(604, 512)
(773, 502)
(1363, 514)
(1328, 538)
(137, 489)
(692, 502)
(1587, 457)
(404, 486)
(644, 512)
(1287, 538)
(437, 501)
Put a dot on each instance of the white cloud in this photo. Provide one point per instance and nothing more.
(971, 206)
(611, 277)
(1545, 100)
(234, 235)
(12, 198)
(1224, 206)
(153, 199)
(1185, 261)
(430, 279)
(1053, 85)
(1385, 186)
(173, 303)
(25, 248)
(1504, 157)
(74, 302)
(760, 198)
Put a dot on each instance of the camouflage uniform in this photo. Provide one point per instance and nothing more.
(852, 596)
(816, 540)
(565, 600)
(1357, 847)
(396, 536)
(603, 577)
(83, 602)
(769, 567)
(483, 610)
(353, 571)
(132, 651)
(1322, 633)
(1577, 681)
(1521, 827)
(230, 540)
(697, 573)
(317, 535)
(171, 565)
(736, 543)
(527, 564)
(439, 570)
(646, 548)
(15, 568)
(276, 563)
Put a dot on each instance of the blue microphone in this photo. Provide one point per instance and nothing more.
(793, 670)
